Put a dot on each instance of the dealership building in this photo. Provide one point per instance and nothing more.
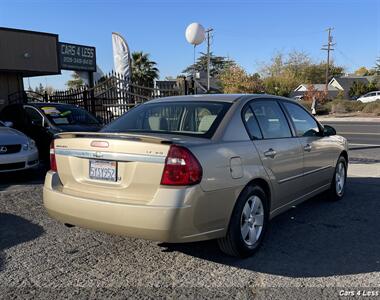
(26, 53)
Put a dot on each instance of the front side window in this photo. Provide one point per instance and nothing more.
(198, 118)
(271, 119)
(304, 124)
(34, 116)
(68, 115)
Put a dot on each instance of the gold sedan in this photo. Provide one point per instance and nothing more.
(191, 168)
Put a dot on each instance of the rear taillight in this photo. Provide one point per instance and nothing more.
(53, 163)
(181, 167)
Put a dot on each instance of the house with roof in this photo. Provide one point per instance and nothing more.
(344, 83)
(335, 86)
(302, 88)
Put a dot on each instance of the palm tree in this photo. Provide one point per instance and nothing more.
(144, 70)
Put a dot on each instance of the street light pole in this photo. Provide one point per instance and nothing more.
(208, 31)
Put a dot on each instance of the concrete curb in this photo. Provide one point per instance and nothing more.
(364, 170)
(348, 119)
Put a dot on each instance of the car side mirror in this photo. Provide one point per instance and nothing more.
(328, 130)
(8, 124)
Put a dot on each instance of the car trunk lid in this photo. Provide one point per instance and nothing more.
(125, 168)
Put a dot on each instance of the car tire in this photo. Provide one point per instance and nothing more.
(338, 182)
(248, 223)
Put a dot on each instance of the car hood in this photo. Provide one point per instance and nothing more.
(10, 136)
(79, 128)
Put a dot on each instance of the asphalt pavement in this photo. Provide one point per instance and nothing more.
(316, 250)
(363, 138)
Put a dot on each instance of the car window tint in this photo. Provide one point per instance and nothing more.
(251, 124)
(68, 114)
(184, 117)
(271, 119)
(305, 124)
(16, 114)
(33, 114)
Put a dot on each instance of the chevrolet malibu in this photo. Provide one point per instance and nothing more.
(191, 168)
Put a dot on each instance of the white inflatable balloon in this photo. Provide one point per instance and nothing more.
(195, 34)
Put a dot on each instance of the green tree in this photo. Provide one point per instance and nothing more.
(285, 72)
(144, 70)
(39, 89)
(359, 88)
(75, 82)
(235, 79)
(316, 73)
(377, 66)
(300, 66)
(362, 71)
(217, 65)
(280, 85)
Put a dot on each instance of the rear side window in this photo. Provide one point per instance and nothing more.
(198, 118)
(251, 124)
(271, 119)
(304, 123)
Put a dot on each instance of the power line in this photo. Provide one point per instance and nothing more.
(328, 48)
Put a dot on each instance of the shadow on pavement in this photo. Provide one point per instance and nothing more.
(27, 177)
(15, 230)
(318, 238)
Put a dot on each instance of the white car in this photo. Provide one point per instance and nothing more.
(298, 97)
(370, 97)
(17, 151)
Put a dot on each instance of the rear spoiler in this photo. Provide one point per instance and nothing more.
(116, 136)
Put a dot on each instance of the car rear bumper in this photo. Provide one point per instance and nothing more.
(168, 220)
(18, 161)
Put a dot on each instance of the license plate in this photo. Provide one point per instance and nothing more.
(103, 170)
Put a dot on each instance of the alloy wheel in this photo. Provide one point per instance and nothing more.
(340, 178)
(252, 220)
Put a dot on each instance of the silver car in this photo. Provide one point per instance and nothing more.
(17, 151)
(191, 168)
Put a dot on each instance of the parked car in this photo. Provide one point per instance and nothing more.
(41, 121)
(191, 168)
(298, 97)
(370, 97)
(17, 151)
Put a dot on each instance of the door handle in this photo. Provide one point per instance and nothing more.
(307, 148)
(270, 153)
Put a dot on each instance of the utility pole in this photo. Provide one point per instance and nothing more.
(208, 31)
(328, 48)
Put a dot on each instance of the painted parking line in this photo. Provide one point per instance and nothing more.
(363, 145)
(358, 133)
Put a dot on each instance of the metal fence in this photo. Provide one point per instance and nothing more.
(113, 95)
(110, 97)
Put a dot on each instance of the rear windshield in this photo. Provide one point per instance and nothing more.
(68, 115)
(188, 118)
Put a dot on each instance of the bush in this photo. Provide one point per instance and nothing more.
(321, 109)
(344, 106)
(372, 107)
(305, 104)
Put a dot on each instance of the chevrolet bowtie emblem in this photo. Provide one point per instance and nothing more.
(98, 154)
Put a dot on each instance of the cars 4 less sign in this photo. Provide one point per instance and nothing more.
(77, 57)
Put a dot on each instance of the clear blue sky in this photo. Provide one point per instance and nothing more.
(248, 31)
